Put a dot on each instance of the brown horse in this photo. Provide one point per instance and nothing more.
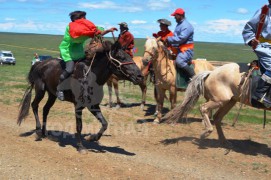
(222, 88)
(165, 72)
(83, 89)
(114, 81)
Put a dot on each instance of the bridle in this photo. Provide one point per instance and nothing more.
(119, 64)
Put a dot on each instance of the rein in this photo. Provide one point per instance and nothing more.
(119, 64)
(159, 60)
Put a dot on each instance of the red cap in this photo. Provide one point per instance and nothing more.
(178, 11)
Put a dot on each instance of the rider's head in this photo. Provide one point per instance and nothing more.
(77, 15)
(179, 14)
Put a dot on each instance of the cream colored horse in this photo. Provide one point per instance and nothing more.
(165, 72)
(221, 88)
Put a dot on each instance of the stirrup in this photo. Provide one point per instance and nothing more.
(264, 101)
(60, 95)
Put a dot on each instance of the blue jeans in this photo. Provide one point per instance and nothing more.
(183, 58)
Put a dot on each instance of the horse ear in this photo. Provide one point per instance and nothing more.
(107, 45)
(158, 39)
(116, 46)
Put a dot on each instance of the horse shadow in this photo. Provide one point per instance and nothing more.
(66, 139)
(247, 147)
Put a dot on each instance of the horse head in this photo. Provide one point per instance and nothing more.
(122, 64)
(152, 48)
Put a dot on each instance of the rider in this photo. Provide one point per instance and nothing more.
(163, 33)
(262, 48)
(35, 58)
(72, 45)
(183, 41)
(164, 30)
(126, 39)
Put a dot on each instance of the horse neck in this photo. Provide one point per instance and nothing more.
(101, 68)
(163, 65)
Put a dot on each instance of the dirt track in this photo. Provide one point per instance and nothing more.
(132, 148)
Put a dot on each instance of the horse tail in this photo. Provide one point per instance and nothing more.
(25, 102)
(194, 90)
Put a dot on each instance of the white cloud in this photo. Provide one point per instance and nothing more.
(158, 4)
(35, 27)
(6, 26)
(138, 22)
(242, 11)
(223, 26)
(110, 5)
(9, 19)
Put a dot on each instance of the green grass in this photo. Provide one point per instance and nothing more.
(23, 46)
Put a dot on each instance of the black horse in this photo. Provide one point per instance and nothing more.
(44, 77)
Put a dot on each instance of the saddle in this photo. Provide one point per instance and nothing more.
(248, 89)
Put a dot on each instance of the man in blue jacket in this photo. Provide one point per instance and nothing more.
(183, 42)
(262, 48)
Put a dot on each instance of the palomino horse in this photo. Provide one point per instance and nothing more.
(113, 80)
(44, 77)
(222, 88)
(165, 72)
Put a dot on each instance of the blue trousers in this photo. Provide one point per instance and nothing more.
(263, 51)
(183, 58)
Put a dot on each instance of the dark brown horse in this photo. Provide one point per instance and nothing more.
(83, 88)
(114, 81)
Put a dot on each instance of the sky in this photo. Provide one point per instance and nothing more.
(213, 20)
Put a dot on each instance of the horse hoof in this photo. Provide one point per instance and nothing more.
(142, 106)
(92, 138)
(205, 134)
(117, 106)
(82, 151)
(38, 137)
(156, 121)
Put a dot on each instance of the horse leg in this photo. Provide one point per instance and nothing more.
(172, 96)
(35, 107)
(50, 102)
(79, 126)
(160, 98)
(218, 116)
(96, 111)
(143, 88)
(116, 88)
(205, 111)
(109, 85)
(156, 100)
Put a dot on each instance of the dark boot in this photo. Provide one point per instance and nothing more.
(59, 93)
(189, 71)
(260, 93)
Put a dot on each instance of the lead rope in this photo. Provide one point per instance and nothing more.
(89, 68)
(242, 96)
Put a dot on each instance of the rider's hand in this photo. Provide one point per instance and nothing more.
(254, 42)
(166, 43)
(155, 35)
(113, 29)
(98, 32)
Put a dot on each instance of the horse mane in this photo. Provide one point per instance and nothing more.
(153, 42)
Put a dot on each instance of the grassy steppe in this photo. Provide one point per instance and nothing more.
(23, 46)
